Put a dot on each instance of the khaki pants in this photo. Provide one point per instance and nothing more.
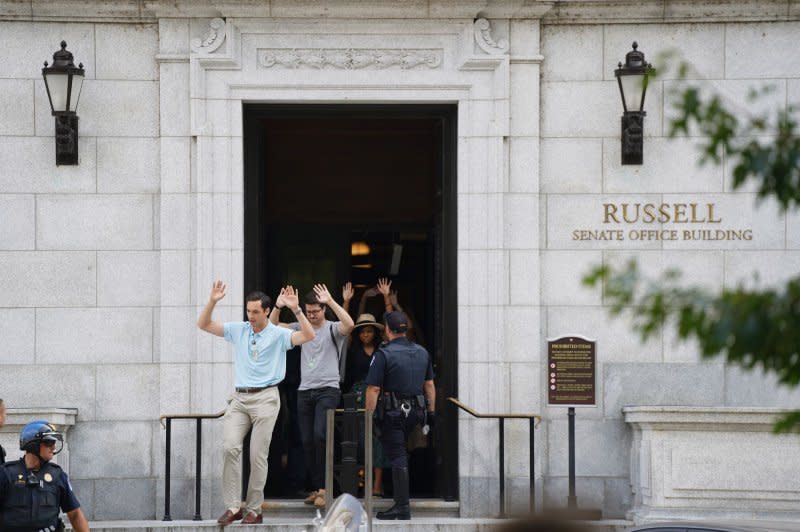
(259, 410)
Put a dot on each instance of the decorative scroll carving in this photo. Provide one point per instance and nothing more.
(213, 38)
(349, 58)
(483, 36)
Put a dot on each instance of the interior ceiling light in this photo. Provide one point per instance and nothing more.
(359, 249)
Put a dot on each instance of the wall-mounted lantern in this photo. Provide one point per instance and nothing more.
(63, 82)
(633, 77)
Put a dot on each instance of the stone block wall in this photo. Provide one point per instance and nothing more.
(80, 254)
(105, 263)
(580, 170)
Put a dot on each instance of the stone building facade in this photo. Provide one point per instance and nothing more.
(106, 264)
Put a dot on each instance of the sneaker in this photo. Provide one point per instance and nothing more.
(311, 497)
(319, 502)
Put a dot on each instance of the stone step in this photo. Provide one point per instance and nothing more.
(273, 524)
(419, 507)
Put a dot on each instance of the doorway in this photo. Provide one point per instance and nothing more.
(338, 193)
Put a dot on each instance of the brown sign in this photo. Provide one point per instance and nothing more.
(571, 371)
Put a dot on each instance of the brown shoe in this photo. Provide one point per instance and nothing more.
(311, 497)
(229, 517)
(252, 518)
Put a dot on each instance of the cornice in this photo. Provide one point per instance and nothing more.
(549, 11)
(141, 11)
(133, 11)
(671, 11)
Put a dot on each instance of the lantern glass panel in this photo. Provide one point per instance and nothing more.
(77, 84)
(57, 88)
(633, 87)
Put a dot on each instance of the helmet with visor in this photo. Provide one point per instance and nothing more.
(40, 432)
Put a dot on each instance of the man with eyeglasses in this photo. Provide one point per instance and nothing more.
(33, 490)
(319, 380)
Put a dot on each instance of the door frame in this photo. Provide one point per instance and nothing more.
(256, 270)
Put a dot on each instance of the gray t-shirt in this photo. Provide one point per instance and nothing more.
(319, 358)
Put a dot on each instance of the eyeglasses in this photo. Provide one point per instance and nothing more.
(317, 311)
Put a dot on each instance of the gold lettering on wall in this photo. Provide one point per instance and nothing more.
(668, 222)
(679, 213)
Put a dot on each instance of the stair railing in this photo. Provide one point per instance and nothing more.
(330, 421)
(198, 446)
(533, 420)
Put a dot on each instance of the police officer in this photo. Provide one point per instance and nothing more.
(401, 373)
(32, 489)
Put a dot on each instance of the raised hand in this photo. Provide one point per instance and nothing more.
(280, 301)
(384, 286)
(323, 296)
(290, 298)
(347, 291)
(217, 291)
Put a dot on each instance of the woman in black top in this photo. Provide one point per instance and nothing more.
(365, 339)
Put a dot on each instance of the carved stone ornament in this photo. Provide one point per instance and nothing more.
(483, 36)
(349, 58)
(213, 38)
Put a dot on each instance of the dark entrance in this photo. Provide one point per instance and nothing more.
(337, 193)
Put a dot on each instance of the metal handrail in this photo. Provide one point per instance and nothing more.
(329, 437)
(198, 442)
(534, 421)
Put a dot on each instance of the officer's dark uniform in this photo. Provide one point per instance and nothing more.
(30, 500)
(400, 368)
(2, 455)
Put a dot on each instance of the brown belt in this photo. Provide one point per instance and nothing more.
(254, 390)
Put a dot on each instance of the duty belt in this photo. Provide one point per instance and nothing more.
(395, 401)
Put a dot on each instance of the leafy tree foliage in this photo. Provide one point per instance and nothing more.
(751, 328)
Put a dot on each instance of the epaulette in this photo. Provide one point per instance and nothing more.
(11, 463)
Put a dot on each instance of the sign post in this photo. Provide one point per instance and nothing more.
(571, 378)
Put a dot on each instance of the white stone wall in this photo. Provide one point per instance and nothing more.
(580, 170)
(80, 254)
(720, 462)
(107, 263)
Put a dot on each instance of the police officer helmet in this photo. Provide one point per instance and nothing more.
(37, 432)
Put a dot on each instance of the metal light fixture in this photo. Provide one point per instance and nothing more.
(63, 82)
(633, 78)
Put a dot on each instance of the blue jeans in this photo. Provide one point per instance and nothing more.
(311, 408)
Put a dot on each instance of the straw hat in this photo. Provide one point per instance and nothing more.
(367, 319)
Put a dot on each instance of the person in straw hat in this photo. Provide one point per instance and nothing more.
(364, 340)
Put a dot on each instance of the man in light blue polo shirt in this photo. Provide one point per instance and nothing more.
(259, 365)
